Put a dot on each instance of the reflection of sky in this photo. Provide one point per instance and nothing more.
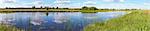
(104, 15)
(56, 21)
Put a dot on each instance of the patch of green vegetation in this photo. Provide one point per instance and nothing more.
(7, 12)
(135, 21)
(88, 11)
(104, 10)
(8, 28)
(91, 11)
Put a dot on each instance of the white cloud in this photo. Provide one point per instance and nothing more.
(113, 0)
(108, 0)
(1, 1)
(8, 1)
(90, 3)
(122, 0)
(147, 4)
(62, 2)
(33, 3)
(37, 2)
(122, 6)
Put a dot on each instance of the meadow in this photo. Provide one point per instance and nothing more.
(135, 21)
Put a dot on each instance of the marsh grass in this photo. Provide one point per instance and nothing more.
(135, 21)
(2, 11)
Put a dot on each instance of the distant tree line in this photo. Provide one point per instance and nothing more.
(33, 7)
(83, 8)
(89, 8)
(51, 7)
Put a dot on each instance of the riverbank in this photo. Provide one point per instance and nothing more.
(54, 10)
(36, 10)
(135, 21)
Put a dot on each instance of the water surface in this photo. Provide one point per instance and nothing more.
(55, 21)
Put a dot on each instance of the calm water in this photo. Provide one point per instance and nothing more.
(55, 21)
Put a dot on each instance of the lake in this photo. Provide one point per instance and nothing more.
(56, 21)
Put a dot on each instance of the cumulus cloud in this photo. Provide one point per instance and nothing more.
(8, 1)
(108, 0)
(90, 3)
(34, 3)
(122, 0)
(113, 0)
(147, 4)
(37, 2)
(122, 6)
(62, 2)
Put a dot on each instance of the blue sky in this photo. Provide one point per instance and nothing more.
(118, 4)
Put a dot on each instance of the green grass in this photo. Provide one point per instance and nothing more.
(96, 10)
(88, 11)
(135, 21)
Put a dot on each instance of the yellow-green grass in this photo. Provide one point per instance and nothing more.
(6, 12)
(135, 21)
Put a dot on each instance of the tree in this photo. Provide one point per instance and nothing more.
(57, 7)
(89, 8)
(41, 7)
(33, 6)
(85, 8)
(45, 7)
(6, 7)
(53, 7)
(93, 8)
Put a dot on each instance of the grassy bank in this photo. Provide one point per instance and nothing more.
(135, 21)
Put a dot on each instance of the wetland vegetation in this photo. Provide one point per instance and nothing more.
(135, 21)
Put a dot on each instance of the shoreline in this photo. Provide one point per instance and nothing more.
(55, 10)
